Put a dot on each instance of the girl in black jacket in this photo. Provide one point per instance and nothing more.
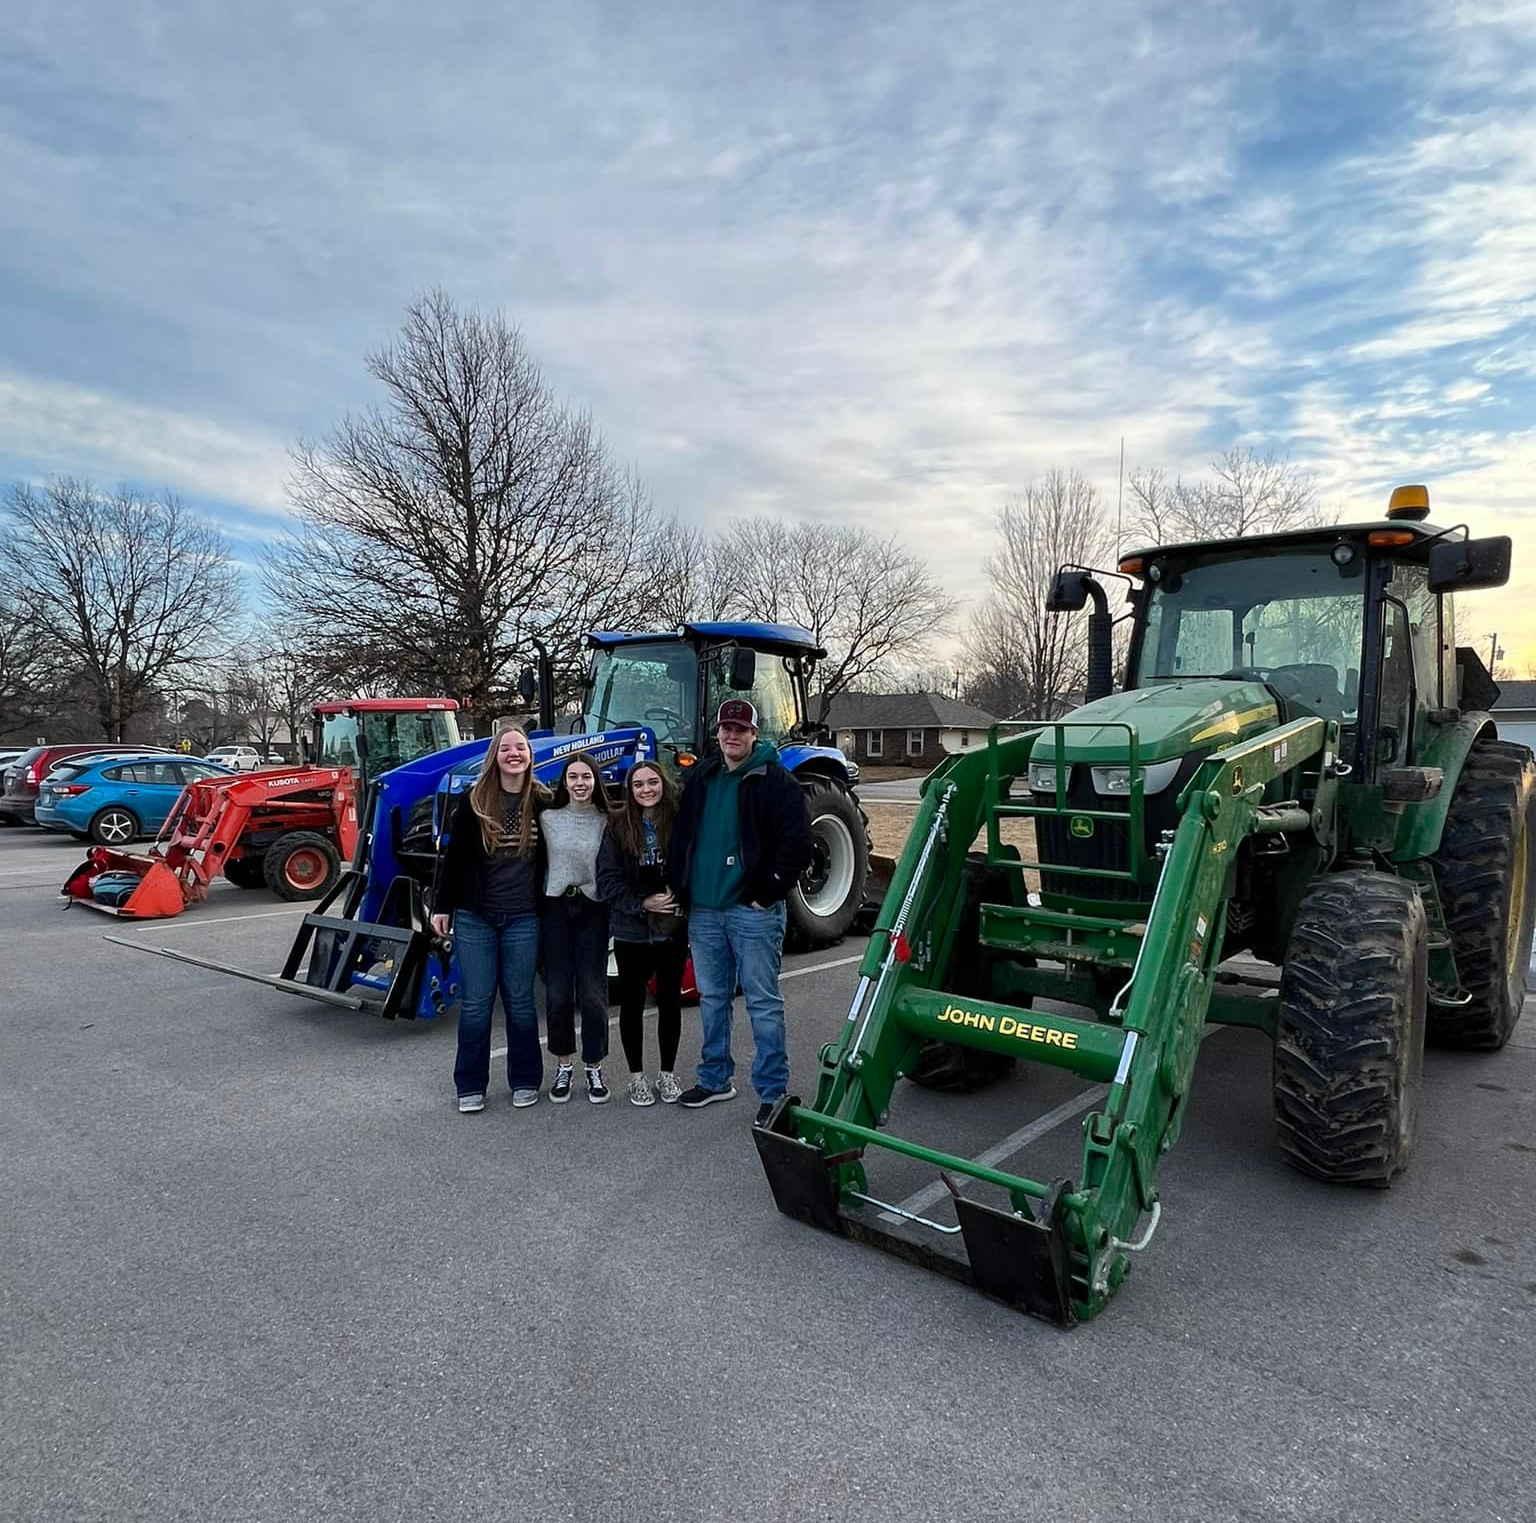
(649, 936)
(488, 890)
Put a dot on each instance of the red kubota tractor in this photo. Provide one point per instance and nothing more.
(289, 830)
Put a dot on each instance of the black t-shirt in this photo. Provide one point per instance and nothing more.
(509, 882)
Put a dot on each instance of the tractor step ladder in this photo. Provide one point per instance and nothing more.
(1058, 1249)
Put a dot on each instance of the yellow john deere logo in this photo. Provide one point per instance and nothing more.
(1237, 781)
(1081, 826)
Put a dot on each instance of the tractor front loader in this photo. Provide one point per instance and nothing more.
(1301, 769)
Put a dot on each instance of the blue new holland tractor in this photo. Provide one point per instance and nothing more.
(368, 943)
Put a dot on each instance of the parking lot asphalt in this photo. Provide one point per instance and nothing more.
(254, 1265)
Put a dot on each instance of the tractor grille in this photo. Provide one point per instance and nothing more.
(1108, 848)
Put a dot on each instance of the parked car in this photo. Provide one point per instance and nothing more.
(116, 799)
(236, 758)
(18, 793)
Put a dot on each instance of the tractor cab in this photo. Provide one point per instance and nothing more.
(674, 683)
(375, 735)
(1353, 624)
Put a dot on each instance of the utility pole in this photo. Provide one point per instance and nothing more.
(1495, 655)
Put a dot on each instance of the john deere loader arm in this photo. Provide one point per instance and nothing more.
(1056, 1248)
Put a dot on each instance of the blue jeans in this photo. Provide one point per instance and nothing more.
(740, 945)
(497, 951)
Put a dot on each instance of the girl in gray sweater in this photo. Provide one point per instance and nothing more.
(574, 931)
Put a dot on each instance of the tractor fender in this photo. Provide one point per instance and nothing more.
(1421, 825)
(802, 759)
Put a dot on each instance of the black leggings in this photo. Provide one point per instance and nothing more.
(637, 960)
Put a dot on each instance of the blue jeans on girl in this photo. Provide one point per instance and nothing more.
(497, 952)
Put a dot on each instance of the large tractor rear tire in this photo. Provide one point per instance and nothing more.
(301, 865)
(823, 904)
(1349, 1038)
(1486, 871)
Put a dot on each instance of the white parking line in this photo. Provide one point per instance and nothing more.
(994, 1155)
(175, 923)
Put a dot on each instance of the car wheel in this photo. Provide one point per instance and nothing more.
(114, 826)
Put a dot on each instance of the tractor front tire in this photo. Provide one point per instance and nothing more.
(246, 872)
(823, 904)
(1349, 1037)
(1486, 872)
(301, 865)
(952, 1068)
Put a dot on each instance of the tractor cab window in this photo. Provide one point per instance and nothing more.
(639, 683)
(392, 739)
(773, 694)
(1394, 726)
(1294, 621)
(1410, 585)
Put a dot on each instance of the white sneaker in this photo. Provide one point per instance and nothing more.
(668, 1089)
(640, 1090)
(524, 1097)
(469, 1104)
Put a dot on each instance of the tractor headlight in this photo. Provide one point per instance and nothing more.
(1117, 780)
(1042, 777)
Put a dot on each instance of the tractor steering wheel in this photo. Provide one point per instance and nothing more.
(669, 717)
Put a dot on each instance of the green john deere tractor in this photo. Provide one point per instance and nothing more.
(1301, 768)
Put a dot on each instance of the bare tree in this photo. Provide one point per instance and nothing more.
(472, 512)
(690, 576)
(130, 589)
(32, 685)
(869, 601)
(1025, 660)
(1243, 493)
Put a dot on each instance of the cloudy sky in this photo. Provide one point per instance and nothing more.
(846, 260)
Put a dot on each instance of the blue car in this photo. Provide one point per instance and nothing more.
(116, 799)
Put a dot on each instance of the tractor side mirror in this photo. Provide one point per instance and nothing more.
(527, 685)
(1069, 592)
(743, 669)
(1462, 565)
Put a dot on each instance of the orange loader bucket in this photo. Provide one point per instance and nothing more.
(104, 882)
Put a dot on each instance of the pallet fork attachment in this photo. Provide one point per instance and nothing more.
(392, 967)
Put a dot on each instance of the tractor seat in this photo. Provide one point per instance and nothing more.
(1309, 689)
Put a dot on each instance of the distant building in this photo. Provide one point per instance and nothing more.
(905, 729)
(1515, 712)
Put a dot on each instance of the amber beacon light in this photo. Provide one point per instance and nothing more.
(1411, 503)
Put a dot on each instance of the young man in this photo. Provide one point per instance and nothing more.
(741, 839)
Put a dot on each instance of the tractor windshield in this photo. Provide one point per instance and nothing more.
(392, 738)
(644, 683)
(1293, 620)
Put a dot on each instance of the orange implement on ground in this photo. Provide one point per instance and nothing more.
(290, 830)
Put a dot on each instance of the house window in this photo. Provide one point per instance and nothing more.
(872, 739)
(965, 739)
(914, 742)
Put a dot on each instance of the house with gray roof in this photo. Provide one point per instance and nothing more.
(1515, 712)
(905, 729)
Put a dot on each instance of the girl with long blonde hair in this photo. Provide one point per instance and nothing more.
(487, 892)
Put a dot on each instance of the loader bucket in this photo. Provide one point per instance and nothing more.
(1018, 1257)
(105, 881)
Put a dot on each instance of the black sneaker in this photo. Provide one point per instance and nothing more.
(560, 1090)
(597, 1092)
(764, 1111)
(698, 1096)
